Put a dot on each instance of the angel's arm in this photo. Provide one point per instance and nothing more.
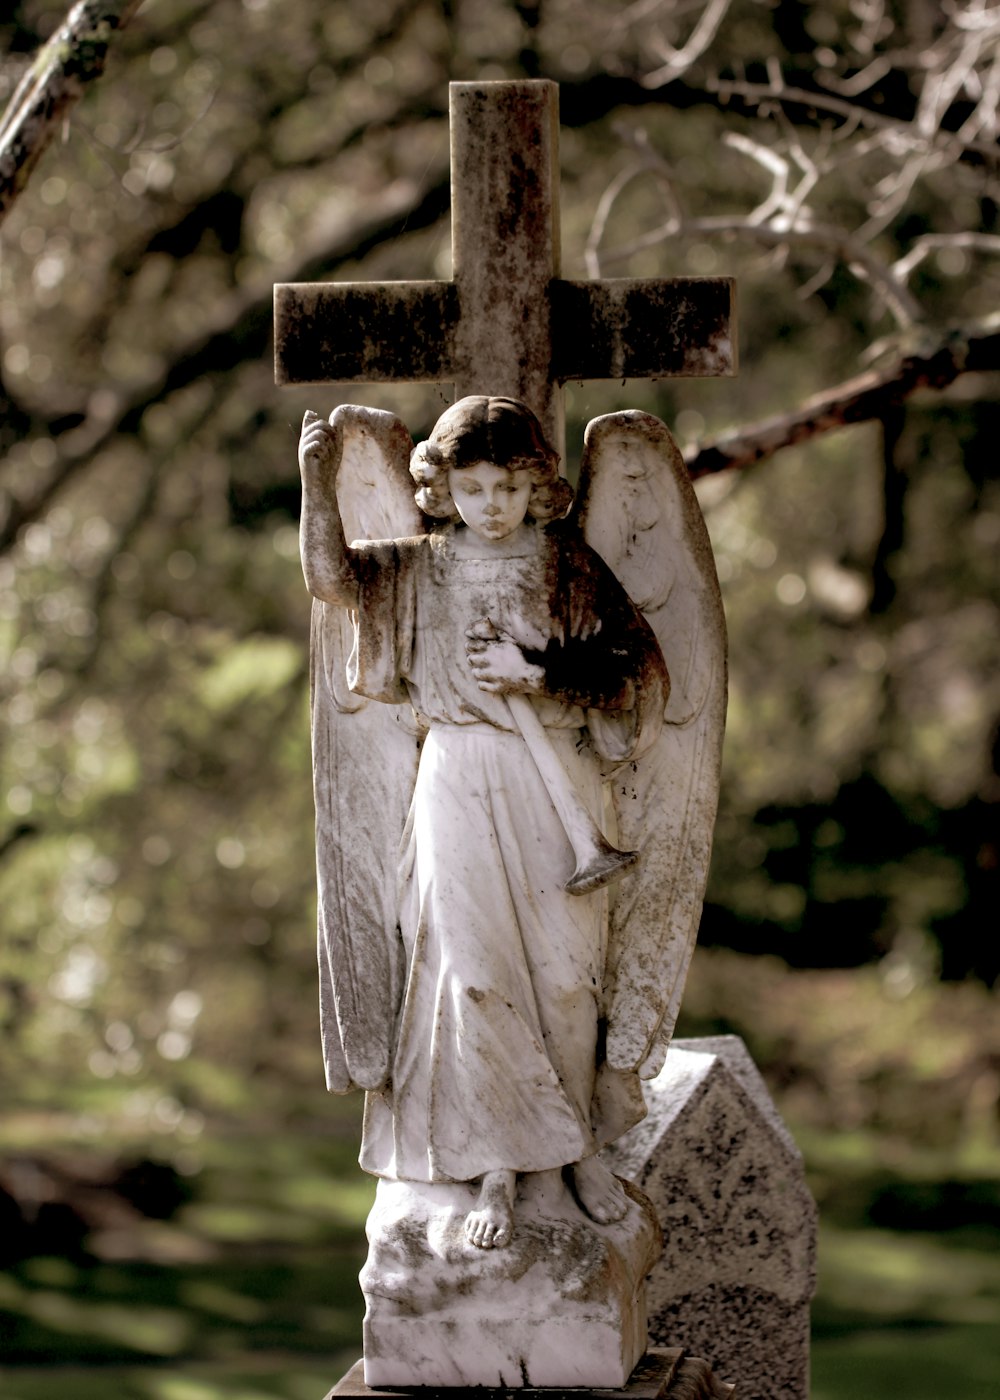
(604, 657)
(607, 657)
(576, 671)
(603, 672)
(328, 562)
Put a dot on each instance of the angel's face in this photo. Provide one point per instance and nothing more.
(491, 500)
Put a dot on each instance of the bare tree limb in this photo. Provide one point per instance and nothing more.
(678, 60)
(859, 400)
(859, 82)
(16, 834)
(927, 242)
(241, 331)
(895, 477)
(53, 83)
(907, 133)
(781, 220)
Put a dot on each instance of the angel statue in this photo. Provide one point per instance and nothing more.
(494, 972)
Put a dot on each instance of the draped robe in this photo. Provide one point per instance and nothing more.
(498, 1059)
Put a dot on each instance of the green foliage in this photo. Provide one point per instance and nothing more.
(261, 1262)
(154, 623)
(157, 964)
(247, 1287)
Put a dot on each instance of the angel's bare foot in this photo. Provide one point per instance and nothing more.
(491, 1224)
(599, 1191)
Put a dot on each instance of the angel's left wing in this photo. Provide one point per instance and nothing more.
(364, 770)
(637, 508)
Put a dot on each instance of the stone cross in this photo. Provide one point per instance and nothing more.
(506, 323)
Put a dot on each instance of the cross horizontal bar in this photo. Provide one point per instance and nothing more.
(405, 332)
(364, 332)
(639, 328)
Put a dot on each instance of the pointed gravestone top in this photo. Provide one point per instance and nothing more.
(737, 1274)
(692, 1065)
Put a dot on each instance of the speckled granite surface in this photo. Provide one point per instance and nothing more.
(737, 1274)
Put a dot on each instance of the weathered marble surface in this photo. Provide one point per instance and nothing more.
(498, 1007)
(738, 1270)
(507, 323)
(467, 998)
(492, 998)
(664, 1373)
(561, 1305)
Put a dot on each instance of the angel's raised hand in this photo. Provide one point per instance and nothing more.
(316, 443)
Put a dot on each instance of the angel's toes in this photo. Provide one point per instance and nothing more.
(600, 1192)
(486, 1231)
(479, 1229)
(501, 1235)
(611, 1208)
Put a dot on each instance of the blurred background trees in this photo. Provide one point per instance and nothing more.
(156, 879)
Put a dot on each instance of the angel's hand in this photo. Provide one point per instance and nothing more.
(498, 663)
(316, 444)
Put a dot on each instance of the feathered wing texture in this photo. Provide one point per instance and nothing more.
(637, 508)
(364, 767)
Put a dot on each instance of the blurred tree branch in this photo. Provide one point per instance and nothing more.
(840, 159)
(961, 60)
(241, 331)
(15, 834)
(781, 220)
(894, 479)
(868, 396)
(876, 121)
(945, 109)
(53, 83)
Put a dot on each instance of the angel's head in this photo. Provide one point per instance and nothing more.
(498, 433)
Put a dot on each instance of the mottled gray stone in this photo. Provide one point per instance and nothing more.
(562, 1305)
(737, 1273)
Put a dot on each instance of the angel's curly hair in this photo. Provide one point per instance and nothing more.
(488, 429)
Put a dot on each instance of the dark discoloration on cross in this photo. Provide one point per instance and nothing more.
(506, 323)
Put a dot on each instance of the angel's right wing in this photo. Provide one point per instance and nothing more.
(638, 510)
(364, 770)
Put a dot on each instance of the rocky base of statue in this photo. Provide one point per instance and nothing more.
(664, 1373)
(563, 1304)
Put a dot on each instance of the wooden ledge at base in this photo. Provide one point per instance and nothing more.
(664, 1373)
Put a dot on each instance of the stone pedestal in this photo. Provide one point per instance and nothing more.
(562, 1305)
(662, 1374)
(737, 1273)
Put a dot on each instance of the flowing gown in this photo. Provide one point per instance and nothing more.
(498, 1058)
